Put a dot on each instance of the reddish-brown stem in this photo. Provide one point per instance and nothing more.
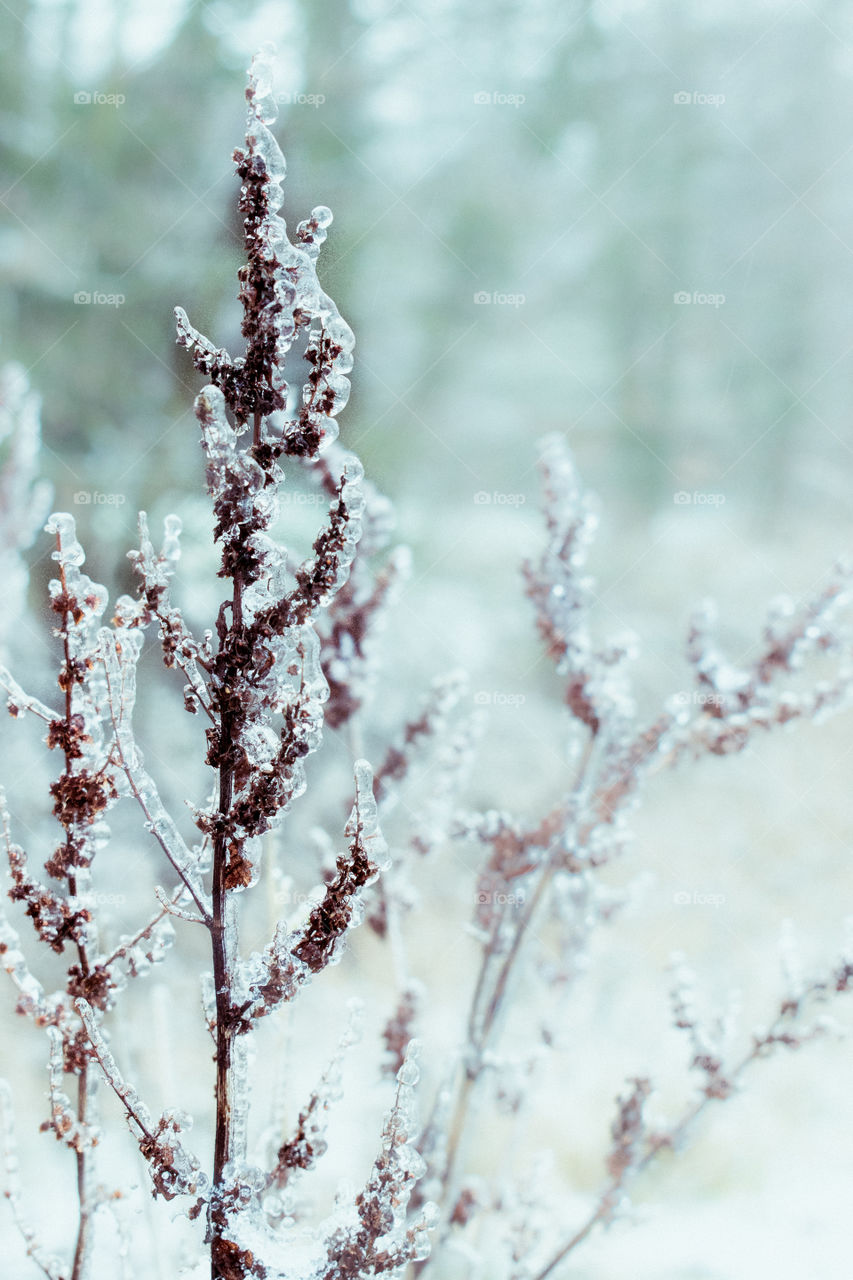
(222, 970)
(479, 1034)
(82, 1247)
(670, 1140)
(82, 1244)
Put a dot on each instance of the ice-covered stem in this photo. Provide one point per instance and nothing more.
(180, 647)
(350, 625)
(19, 702)
(332, 916)
(281, 298)
(308, 1144)
(267, 662)
(427, 726)
(398, 1030)
(54, 919)
(82, 793)
(354, 1250)
(46, 1262)
(292, 958)
(561, 592)
(119, 655)
(634, 1145)
(507, 932)
(174, 1171)
(24, 499)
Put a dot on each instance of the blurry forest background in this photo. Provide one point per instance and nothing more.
(522, 189)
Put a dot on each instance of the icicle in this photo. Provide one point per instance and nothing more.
(363, 824)
(69, 551)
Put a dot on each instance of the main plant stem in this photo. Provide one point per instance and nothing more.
(81, 1248)
(223, 941)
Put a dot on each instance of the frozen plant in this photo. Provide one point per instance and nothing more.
(289, 646)
(261, 686)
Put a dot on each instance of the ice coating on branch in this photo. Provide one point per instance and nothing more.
(174, 1171)
(302, 1150)
(313, 231)
(376, 1234)
(363, 825)
(260, 95)
(31, 998)
(63, 1118)
(47, 1262)
(24, 499)
(68, 551)
(282, 298)
(275, 976)
(75, 596)
(561, 592)
(119, 661)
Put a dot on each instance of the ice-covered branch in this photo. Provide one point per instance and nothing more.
(19, 701)
(378, 1239)
(174, 1171)
(24, 499)
(308, 1144)
(47, 1263)
(294, 956)
(635, 1145)
(180, 647)
(119, 658)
